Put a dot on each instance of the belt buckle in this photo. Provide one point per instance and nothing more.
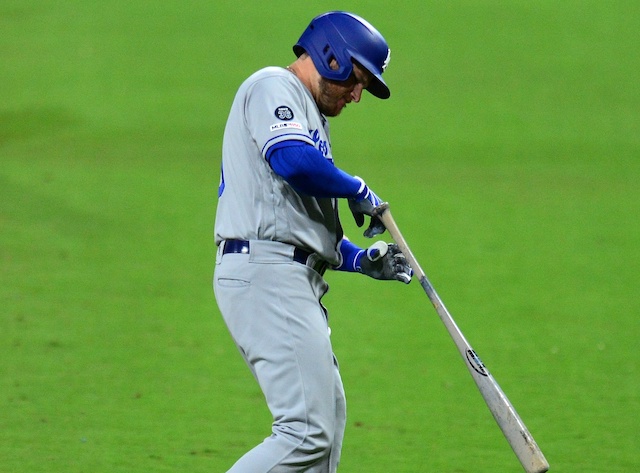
(235, 246)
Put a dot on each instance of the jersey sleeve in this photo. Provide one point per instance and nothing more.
(275, 111)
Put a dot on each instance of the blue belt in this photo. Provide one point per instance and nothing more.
(299, 255)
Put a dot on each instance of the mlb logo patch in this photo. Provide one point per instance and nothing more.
(281, 126)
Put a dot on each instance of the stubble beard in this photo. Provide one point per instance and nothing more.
(326, 99)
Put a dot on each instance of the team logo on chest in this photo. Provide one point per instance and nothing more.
(284, 113)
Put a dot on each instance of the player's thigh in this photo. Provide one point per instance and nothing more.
(274, 314)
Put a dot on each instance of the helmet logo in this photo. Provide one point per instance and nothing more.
(386, 61)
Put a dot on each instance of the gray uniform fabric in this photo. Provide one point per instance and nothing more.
(271, 303)
(270, 107)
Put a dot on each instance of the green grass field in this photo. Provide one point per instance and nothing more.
(510, 154)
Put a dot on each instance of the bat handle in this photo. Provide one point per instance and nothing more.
(383, 212)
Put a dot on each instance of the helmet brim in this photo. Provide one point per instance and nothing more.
(379, 88)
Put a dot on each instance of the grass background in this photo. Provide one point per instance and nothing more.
(509, 151)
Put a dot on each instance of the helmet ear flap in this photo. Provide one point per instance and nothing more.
(327, 48)
(336, 64)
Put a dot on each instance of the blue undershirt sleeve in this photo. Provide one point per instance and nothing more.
(309, 172)
(350, 256)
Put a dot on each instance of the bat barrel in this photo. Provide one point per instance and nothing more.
(505, 415)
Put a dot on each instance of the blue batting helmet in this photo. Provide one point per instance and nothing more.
(346, 37)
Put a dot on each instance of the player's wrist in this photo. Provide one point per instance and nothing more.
(362, 191)
(350, 256)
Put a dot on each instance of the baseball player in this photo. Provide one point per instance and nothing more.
(277, 230)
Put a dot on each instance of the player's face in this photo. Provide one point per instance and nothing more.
(333, 95)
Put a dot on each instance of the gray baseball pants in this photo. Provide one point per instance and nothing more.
(271, 306)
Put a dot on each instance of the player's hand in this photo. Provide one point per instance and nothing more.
(363, 204)
(386, 261)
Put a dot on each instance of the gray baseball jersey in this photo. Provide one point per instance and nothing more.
(254, 203)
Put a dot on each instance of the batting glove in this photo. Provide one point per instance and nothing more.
(385, 261)
(363, 204)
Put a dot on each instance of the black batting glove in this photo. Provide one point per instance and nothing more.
(364, 204)
(386, 261)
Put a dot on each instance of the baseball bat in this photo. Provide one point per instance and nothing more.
(516, 433)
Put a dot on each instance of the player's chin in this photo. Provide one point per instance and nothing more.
(332, 112)
(331, 106)
(336, 109)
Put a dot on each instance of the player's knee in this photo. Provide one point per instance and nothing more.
(317, 443)
(313, 442)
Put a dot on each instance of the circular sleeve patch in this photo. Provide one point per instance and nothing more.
(284, 113)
